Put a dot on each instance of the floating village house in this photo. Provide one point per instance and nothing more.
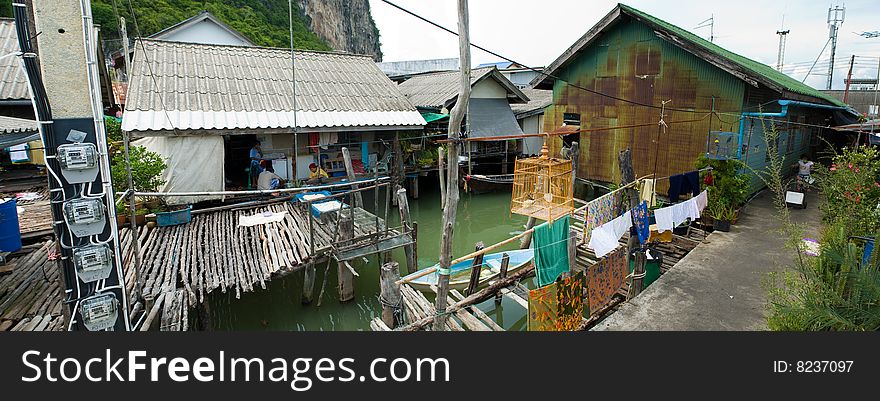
(631, 55)
(530, 117)
(202, 106)
(489, 113)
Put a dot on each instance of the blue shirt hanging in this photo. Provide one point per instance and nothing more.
(640, 222)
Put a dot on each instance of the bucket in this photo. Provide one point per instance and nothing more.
(164, 219)
(10, 234)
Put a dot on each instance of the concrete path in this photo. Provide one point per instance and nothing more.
(720, 284)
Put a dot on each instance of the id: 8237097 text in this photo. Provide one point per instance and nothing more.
(812, 366)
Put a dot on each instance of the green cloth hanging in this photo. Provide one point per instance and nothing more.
(551, 250)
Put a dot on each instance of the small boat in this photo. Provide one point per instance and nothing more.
(479, 183)
(461, 272)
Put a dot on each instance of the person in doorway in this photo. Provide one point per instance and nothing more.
(267, 179)
(317, 175)
(805, 167)
(256, 155)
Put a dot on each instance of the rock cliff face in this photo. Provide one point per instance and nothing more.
(345, 25)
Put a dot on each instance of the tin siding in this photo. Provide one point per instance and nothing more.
(631, 62)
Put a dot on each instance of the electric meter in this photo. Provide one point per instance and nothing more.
(99, 312)
(93, 262)
(79, 162)
(85, 216)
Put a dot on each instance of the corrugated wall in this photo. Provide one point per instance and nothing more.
(630, 61)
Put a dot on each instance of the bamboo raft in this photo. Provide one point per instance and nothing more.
(419, 311)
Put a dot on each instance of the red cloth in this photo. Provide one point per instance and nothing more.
(709, 179)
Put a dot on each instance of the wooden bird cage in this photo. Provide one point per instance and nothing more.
(542, 187)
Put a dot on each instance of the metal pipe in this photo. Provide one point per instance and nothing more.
(257, 191)
(782, 113)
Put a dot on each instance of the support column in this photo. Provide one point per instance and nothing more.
(357, 199)
(390, 294)
(308, 283)
(406, 220)
(345, 286)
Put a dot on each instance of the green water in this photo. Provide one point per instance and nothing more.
(483, 217)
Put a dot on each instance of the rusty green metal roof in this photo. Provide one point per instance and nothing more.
(750, 71)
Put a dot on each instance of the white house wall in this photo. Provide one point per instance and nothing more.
(488, 89)
(206, 32)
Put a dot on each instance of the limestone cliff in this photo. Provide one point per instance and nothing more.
(345, 25)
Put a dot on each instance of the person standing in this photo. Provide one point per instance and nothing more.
(805, 167)
(256, 155)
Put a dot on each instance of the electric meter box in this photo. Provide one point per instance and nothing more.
(93, 262)
(78, 161)
(99, 312)
(85, 216)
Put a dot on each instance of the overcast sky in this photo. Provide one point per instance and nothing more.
(535, 32)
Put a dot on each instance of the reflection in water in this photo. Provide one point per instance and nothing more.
(484, 217)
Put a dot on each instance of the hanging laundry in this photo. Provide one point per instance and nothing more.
(558, 306)
(646, 192)
(702, 200)
(682, 184)
(664, 218)
(641, 222)
(599, 211)
(551, 250)
(543, 308)
(604, 279)
(327, 138)
(570, 302)
(606, 237)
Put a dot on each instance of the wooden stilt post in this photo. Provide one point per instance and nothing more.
(628, 175)
(454, 134)
(390, 293)
(441, 170)
(308, 283)
(505, 262)
(397, 165)
(526, 240)
(476, 269)
(415, 187)
(357, 200)
(346, 278)
(406, 220)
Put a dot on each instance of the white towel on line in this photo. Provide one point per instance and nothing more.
(606, 237)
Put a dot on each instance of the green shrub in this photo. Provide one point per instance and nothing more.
(730, 188)
(146, 170)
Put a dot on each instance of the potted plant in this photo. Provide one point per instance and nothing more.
(723, 215)
(121, 214)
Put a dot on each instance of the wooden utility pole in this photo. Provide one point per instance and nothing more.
(627, 176)
(441, 166)
(849, 77)
(406, 220)
(451, 206)
(357, 200)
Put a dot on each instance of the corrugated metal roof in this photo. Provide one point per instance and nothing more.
(440, 89)
(221, 87)
(15, 131)
(539, 99)
(742, 67)
(13, 83)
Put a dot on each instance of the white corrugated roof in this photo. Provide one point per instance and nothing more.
(189, 86)
(13, 83)
(440, 89)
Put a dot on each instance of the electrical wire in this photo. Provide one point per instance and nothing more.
(545, 74)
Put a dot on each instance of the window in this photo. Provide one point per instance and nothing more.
(647, 58)
(571, 119)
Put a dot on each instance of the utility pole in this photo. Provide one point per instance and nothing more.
(72, 130)
(835, 20)
(780, 59)
(849, 77)
(454, 134)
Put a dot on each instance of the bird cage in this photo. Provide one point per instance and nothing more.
(542, 187)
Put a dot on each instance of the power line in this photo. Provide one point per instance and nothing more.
(542, 73)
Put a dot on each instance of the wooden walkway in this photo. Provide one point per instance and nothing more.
(36, 218)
